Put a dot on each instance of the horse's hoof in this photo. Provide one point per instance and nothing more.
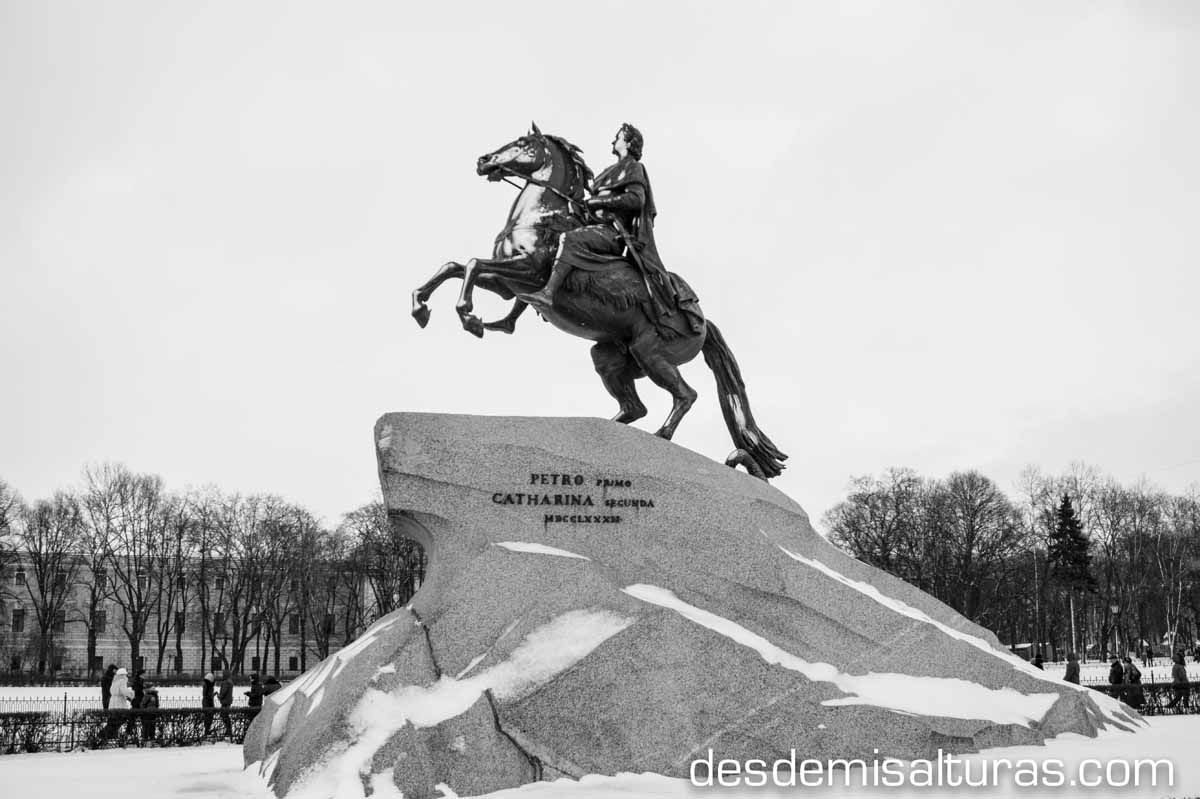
(665, 433)
(473, 325)
(421, 314)
(500, 327)
(632, 415)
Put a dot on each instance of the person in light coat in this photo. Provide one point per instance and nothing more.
(122, 694)
(120, 699)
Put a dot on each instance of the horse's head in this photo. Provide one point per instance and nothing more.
(523, 156)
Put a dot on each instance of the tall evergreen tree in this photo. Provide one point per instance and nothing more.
(1069, 550)
(1070, 560)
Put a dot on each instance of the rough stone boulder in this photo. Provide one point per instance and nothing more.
(600, 600)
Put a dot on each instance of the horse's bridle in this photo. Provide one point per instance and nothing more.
(587, 213)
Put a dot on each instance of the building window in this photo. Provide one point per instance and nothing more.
(179, 619)
(97, 663)
(219, 621)
(100, 621)
(15, 663)
(178, 664)
(294, 624)
(293, 663)
(295, 586)
(216, 663)
(141, 663)
(221, 582)
(60, 621)
(181, 582)
(18, 620)
(60, 580)
(254, 663)
(141, 583)
(101, 580)
(56, 663)
(19, 577)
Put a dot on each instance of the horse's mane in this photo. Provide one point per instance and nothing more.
(581, 174)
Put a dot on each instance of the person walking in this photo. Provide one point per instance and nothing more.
(1072, 674)
(106, 681)
(138, 684)
(225, 697)
(255, 694)
(120, 704)
(149, 712)
(206, 702)
(1116, 678)
(1179, 683)
(1135, 697)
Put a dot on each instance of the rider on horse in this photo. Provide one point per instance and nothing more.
(623, 202)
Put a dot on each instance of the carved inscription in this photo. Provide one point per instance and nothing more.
(570, 498)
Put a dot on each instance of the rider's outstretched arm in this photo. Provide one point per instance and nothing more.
(631, 198)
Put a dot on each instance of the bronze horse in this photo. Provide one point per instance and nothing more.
(604, 307)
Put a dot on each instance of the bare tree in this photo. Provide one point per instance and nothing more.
(394, 565)
(10, 511)
(284, 563)
(49, 538)
(130, 510)
(171, 554)
(982, 534)
(90, 608)
(243, 525)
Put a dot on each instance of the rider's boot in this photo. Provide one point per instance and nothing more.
(543, 298)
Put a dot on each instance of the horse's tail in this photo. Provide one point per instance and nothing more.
(752, 447)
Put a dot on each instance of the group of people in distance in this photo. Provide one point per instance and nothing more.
(1123, 672)
(1120, 675)
(224, 695)
(118, 691)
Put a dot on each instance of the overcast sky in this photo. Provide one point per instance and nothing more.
(935, 235)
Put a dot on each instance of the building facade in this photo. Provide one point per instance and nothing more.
(79, 625)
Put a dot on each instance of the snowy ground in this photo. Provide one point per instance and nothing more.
(215, 772)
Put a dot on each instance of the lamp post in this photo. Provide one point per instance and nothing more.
(1116, 609)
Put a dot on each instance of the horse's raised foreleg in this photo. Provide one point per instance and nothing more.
(653, 358)
(420, 310)
(519, 268)
(618, 371)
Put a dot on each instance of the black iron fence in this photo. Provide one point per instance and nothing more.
(66, 704)
(41, 731)
(1154, 698)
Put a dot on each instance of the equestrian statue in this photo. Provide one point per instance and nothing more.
(590, 267)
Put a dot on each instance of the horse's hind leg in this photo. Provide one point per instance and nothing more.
(618, 371)
(509, 323)
(420, 310)
(652, 356)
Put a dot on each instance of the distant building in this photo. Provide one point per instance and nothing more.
(284, 640)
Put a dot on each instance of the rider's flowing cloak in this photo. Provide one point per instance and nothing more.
(680, 309)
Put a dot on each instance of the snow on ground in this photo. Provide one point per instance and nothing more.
(215, 772)
(203, 772)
